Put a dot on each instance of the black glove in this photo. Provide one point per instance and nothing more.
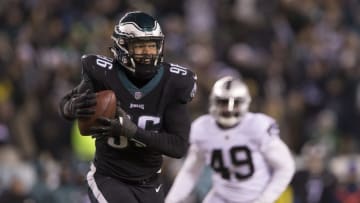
(119, 126)
(81, 105)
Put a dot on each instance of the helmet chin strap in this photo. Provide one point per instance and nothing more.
(143, 72)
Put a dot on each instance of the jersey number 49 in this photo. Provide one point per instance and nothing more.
(240, 156)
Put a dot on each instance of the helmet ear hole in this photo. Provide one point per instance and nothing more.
(125, 60)
(121, 41)
(229, 101)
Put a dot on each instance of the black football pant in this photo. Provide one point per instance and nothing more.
(104, 189)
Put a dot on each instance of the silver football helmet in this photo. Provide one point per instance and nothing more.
(136, 27)
(229, 101)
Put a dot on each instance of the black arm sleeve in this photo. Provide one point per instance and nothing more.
(64, 102)
(174, 141)
(84, 85)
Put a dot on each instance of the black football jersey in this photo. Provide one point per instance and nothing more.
(158, 109)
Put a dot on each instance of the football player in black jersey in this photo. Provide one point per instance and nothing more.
(152, 117)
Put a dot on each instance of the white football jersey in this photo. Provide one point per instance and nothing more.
(236, 154)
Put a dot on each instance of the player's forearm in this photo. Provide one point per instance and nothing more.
(282, 162)
(276, 187)
(182, 187)
(168, 144)
(187, 177)
(174, 140)
(63, 105)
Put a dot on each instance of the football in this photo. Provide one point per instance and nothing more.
(105, 107)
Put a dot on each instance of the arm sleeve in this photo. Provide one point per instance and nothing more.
(187, 177)
(84, 85)
(281, 161)
(64, 103)
(174, 141)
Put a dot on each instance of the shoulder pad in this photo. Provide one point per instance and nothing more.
(96, 65)
(184, 81)
(266, 124)
(97, 61)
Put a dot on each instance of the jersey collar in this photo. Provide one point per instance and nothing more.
(139, 93)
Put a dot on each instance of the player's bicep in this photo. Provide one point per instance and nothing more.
(177, 120)
(272, 147)
(173, 139)
(278, 154)
(268, 134)
(185, 82)
(85, 84)
(95, 71)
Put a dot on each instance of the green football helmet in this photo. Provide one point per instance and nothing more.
(136, 27)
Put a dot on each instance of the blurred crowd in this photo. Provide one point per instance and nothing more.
(299, 58)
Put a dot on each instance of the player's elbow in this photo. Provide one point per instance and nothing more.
(62, 110)
(290, 167)
(179, 150)
(286, 167)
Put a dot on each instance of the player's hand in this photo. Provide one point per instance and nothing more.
(128, 127)
(120, 126)
(81, 105)
(106, 127)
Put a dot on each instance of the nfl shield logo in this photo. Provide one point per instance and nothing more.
(137, 95)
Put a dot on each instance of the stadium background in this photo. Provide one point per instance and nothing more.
(299, 58)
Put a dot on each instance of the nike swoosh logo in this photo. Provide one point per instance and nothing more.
(157, 189)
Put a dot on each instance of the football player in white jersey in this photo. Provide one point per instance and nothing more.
(251, 164)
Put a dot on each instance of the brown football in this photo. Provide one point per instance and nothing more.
(105, 107)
